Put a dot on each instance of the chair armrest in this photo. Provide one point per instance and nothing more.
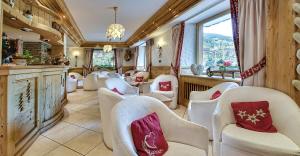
(132, 90)
(199, 95)
(195, 107)
(182, 131)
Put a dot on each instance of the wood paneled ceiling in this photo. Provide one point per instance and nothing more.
(170, 10)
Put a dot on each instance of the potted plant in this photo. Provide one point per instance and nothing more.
(22, 59)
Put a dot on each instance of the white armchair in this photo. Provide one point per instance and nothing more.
(71, 84)
(235, 141)
(173, 94)
(184, 138)
(90, 83)
(200, 109)
(122, 86)
(107, 100)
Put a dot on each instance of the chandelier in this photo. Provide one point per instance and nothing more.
(115, 30)
(107, 48)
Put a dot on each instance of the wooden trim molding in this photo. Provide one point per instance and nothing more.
(101, 44)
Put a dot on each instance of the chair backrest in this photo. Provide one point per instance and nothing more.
(285, 112)
(161, 78)
(118, 83)
(107, 100)
(222, 87)
(77, 75)
(129, 110)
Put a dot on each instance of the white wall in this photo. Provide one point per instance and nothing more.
(72, 51)
(166, 40)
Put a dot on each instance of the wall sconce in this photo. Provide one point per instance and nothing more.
(76, 54)
(160, 44)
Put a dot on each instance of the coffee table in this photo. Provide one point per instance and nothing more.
(167, 101)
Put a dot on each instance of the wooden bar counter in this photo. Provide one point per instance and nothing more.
(31, 101)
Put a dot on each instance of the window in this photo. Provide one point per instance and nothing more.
(141, 63)
(217, 43)
(103, 59)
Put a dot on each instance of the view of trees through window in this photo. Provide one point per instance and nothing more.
(103, 59)
(218, 45)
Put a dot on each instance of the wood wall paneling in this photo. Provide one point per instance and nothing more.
(158, 70)
(281, 48)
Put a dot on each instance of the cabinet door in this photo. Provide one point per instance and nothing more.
(25, 105)
(3, 133)
(52, 95)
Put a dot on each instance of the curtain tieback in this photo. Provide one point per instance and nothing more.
(254, 69)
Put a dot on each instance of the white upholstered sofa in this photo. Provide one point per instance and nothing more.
(173, 94)
(230, 140)
(122, 86)
(184, 138)
(107, 100)
(201, 107)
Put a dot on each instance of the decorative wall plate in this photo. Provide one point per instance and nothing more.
(296, 84)
(298, 69)
(296, 37)
(298, 54)
(297, 22)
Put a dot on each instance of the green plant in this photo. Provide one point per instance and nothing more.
(27, 54)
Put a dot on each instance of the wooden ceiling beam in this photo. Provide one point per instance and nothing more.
(101, 44)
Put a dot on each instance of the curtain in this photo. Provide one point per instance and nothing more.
(177, 42)
(136, 56)
(118, 61)
(234, 4)
(252, 25)
(149, 47)
(87, 67)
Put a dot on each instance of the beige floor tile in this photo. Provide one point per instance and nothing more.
(41, 147)
(76, 107)
(63, 151)
(63, 132)
(100, 150)
(85, 142)
(91, 110)
(180, 110)
(86, 121)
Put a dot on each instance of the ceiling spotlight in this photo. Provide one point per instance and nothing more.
(13, 18)
(26, 29)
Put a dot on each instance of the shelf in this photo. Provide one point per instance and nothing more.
(21, 21)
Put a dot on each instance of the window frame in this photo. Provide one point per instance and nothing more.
(199, 27)
(101, 51)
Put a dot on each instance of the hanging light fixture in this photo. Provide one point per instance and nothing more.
(115, 30)
(107, 48)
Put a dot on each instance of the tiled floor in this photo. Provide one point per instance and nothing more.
(79, 133)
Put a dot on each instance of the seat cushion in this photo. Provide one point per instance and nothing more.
(178, 149)
(169, 94)
(258, 141)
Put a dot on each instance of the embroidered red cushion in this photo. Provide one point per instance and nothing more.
(139, 79)
(148, 137)
(216, 95)
(253, 116)
(117, 91)
(165, 86)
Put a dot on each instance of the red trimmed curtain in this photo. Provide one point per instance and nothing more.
(149, 47)
(234, 7)
(118, 60)
(177, 42)
(251, 27)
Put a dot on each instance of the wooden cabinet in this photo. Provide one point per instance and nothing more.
(31, 101)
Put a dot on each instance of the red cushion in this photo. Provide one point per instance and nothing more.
(117, 91)
(139, 79)
(165, 86)
(148, 137)
(216, 95)
(253, 116)
(73, 76)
